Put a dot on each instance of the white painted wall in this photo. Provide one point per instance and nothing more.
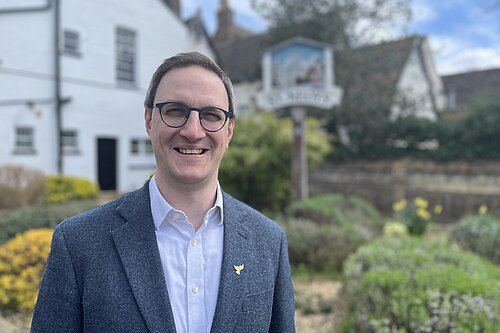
(420, 83)
(26, 69)
(98, 106)
(245, 94)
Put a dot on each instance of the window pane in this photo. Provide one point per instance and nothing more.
(125, 54)
(24, 138)
(71, 41)
(69, 139)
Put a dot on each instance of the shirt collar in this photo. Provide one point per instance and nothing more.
(160, 207)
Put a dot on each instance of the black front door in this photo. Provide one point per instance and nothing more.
(106, 163)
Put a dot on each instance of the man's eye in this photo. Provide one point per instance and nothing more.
(174, 112)
(213, 115)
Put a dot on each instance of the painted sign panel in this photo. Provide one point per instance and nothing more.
(299, 72)
(298, 65)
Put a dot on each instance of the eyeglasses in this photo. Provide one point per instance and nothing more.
(175, 115)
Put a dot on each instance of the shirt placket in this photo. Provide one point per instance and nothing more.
(195, 286)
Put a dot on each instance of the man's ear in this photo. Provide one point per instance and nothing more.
(230, 131)
(148, 118)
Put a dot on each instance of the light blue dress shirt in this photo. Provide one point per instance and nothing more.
(191, 260)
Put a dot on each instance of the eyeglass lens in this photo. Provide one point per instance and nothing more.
(176, 115)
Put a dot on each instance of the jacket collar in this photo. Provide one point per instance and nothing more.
(136, 243)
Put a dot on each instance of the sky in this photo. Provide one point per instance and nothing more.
(464, 35)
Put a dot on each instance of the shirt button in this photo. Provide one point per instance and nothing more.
(195, 289)
(194, 242)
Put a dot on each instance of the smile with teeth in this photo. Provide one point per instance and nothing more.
(190, 151)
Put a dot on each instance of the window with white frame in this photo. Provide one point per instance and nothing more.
(452, 99)
(25, 140)
(140, 147)
(71, 42)
(125, 55)
(69, 141)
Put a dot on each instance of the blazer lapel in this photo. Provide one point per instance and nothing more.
(136, 243)
(236, 251)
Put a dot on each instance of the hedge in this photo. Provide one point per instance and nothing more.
(412, 285)
(66, 188)
(16, 221)
(480, 234)
(323, 230)
(22, 261)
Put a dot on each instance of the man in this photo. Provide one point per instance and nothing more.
(179, 254)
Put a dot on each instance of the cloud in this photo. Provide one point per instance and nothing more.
(468, 60)
(422, 11)
(242, 6)
(446, 45)
(247, 16)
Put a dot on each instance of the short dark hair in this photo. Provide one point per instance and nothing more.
(183, 60)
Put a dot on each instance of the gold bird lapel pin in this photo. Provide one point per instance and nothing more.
(239, 268)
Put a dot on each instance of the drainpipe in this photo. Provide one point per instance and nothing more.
(57, 85)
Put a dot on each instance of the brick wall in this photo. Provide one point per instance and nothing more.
(460, 187)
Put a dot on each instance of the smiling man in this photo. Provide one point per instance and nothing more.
(178, 255)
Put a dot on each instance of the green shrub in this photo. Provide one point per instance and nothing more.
(480, 234)
(20, 186)
(22, 260)
(322, 231)
(339, 210)
(413, 285)
(13, 222)
(395, 229)
(66, 188)
(321, 248)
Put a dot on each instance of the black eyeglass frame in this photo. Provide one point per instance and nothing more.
(227, 114)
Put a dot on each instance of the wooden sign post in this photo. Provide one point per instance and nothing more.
(299, 73)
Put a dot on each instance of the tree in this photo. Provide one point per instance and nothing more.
(256, 168)
(342, 23)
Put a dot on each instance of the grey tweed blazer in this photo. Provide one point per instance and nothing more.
(104, 273)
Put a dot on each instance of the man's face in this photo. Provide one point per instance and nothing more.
(189, 154)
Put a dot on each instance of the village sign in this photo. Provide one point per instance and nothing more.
(299, 72)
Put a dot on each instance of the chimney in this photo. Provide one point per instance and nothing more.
(225, 20)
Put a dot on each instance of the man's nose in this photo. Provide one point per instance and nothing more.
(192, 129)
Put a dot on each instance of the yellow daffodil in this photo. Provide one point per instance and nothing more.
(483, 209)
(421, 202)
(423, 213)
(399, 205)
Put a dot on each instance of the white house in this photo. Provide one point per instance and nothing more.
(83, 66)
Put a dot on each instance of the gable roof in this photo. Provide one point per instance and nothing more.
(241, 58)
(484, 84)
(373, 72)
